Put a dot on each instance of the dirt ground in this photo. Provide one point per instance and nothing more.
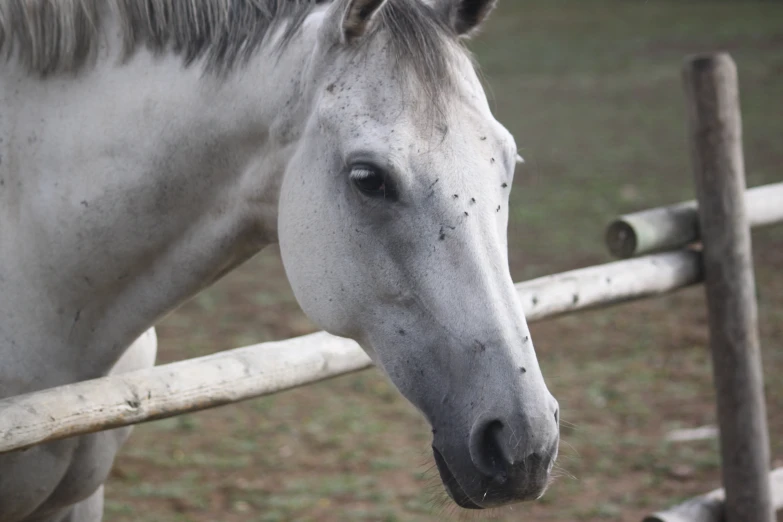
(592, 92)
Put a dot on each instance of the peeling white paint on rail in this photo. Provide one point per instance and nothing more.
(176, 388)
(609, 284)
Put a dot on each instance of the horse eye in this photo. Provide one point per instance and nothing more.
(371, 181)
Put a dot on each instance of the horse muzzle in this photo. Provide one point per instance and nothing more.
(498, 468)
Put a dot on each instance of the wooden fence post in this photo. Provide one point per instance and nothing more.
(712, 95)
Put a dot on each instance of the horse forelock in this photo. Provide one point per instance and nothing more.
(422, 43)
(55, 37)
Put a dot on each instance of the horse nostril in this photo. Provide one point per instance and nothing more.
(557, 416)
(486, 453)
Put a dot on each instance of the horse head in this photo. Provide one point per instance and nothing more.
(392, 227)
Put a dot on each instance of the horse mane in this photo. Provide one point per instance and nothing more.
(51, 37)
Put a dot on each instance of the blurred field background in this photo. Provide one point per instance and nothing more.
(591, 89)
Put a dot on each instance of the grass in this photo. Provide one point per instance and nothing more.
(592, 92)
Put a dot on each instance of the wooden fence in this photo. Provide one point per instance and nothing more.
(707, 240)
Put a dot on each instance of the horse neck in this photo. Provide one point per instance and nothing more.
(128, 189)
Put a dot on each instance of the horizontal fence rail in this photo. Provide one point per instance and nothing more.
(711, 507)
(675, 226)
(262, 369)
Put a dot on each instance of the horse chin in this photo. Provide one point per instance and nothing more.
(453, 487)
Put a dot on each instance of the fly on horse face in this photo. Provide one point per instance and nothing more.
(148, 147)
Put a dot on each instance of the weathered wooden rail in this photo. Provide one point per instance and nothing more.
(675, 226)
(253, 371)
(707, 240)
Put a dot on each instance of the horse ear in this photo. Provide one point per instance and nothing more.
(352, 18)
(465, 16)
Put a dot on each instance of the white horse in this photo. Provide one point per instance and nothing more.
(148, 147)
